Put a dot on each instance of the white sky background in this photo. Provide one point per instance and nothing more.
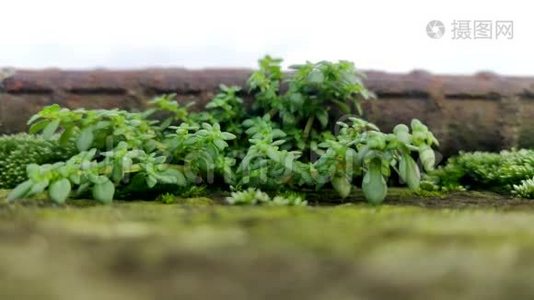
(375, 34)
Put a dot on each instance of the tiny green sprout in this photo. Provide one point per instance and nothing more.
(289, 200)
(167, 198)
(251, 196)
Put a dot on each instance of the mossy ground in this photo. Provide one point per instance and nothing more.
(461, 246)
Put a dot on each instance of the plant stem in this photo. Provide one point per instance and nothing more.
(308, 127)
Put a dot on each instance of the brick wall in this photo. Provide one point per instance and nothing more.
(484, 111)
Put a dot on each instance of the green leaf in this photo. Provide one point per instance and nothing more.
(20, 191)
(38, 187)
(220, 144)
(374, 185)
(409, 171)
(59, 190)
(66, 135)
(342, 185)
(151, 181)
(402, 132)
(104, 191)
(316, 76)
(33, 119)
(166, 123)
(322, 116)
(40, 125)
(85, 140)
(50, 129)
(228, 136)
(342, 106)
(33, 171)
(418, 126)
(117, 172)
(428, 158)
(82, 188)
(75, 178)
(376, 140)
(179, 176)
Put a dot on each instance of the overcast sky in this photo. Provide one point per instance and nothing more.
(375, 34)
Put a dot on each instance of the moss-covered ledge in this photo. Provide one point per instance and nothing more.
(197, 249)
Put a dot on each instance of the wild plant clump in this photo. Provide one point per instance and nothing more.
(18, 151)
(252, 196)
(497, 171)
(525, 189)
(284, 142)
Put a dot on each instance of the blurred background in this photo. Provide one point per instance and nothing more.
(378, 34)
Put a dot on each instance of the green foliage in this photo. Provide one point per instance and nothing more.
(360, 148)
(227, 109)
(313, 89)
(317, 86)
(265, 163)
(101, 176)
(290, 199)
(271, 146)
(170, 107)
(525, 189)
(265, 83)
(251, 196)
(17, 151)
(199, 152)
(98, 129)
(475, 170)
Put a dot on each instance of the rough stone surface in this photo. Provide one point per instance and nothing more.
(485, 111)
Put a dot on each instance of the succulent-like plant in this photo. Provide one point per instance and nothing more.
(361, 148)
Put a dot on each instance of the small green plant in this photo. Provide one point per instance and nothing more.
(18, 151)
(100, 129)
(476, 170)
(85, 172)
(265, 83)
(290, 199)
(200, 151)
(171, 108)
(272, 146)
(313, 89)
(360, 148)
(227, 109)
(525, 189)
(266, 164)
(167, 198)
(253, 196)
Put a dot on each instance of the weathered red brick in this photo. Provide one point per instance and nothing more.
(484, 111)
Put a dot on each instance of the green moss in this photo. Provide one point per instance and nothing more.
(19, 150)
(202, 250)
(196, 201)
